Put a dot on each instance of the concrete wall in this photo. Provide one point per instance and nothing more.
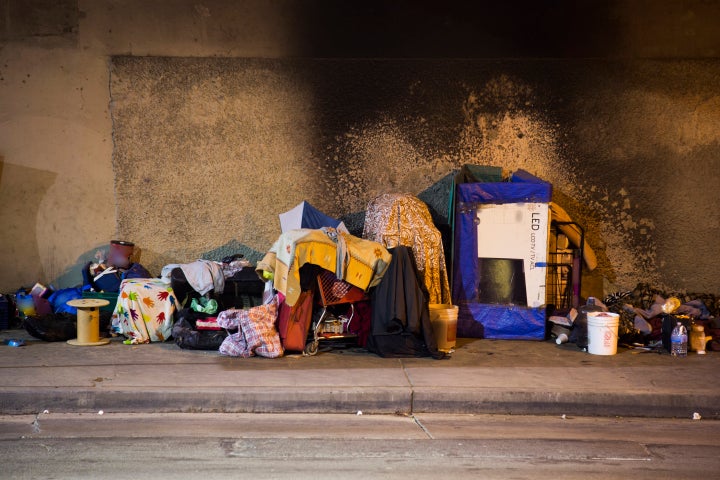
(187, 126)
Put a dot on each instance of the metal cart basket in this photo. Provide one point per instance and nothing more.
(328, 326)
(564, 268)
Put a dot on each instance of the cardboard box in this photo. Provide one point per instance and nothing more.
(500, 250)
(517, 233)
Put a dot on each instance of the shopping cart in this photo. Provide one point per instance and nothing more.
(329, 326)
(564, 267)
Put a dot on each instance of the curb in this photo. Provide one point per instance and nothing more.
(376, 400)
(649, 405)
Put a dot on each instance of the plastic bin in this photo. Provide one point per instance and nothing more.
(109, 296)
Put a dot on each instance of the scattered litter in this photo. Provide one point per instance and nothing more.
(15, 342)
(100, 412)
(36, 423)
(671, 305)
(640, 348)
(359, 412)
(696, 416)
(564, 417)
(564, 317)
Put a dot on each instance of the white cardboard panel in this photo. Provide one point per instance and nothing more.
(517, 230)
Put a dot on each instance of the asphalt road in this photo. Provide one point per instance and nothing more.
(340, 446)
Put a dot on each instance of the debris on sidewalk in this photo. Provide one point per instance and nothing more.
(646, 318)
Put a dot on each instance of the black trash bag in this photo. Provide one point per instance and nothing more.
(53, 327)
(187, 336)
(60, 326)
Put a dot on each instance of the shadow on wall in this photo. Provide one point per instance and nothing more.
(457, 29)
(72, 276)
(21, 191)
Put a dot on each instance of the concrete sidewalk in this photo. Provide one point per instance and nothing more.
(481, 376)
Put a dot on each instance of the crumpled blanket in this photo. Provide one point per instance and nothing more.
(367, 261)
(202, 275)
(256, 333)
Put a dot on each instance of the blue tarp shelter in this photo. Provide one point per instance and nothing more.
(482, 314)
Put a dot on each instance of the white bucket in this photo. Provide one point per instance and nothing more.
(602, 332)
(443, 318)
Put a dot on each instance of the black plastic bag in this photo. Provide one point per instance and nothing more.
(60, 326)
(187, 336)
(53, 327)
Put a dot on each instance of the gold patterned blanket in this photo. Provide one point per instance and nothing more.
(394, 219)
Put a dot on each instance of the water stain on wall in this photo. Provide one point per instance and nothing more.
(209, 151)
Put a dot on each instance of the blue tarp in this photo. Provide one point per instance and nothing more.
(522, 187)
(481, 320)
(502, 322)
(305, 215)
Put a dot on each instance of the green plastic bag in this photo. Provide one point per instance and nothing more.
(204, 305)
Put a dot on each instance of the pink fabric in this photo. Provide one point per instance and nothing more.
(256, 333)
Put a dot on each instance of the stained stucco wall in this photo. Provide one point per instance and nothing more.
(188, 128)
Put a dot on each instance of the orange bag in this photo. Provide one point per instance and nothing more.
(294, 322)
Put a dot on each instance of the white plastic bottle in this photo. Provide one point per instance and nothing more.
(679, 341)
